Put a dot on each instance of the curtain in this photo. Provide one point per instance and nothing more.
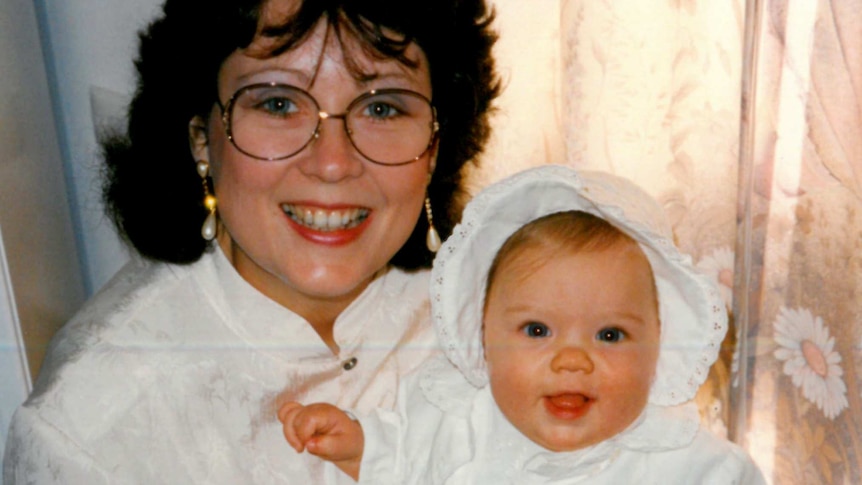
(796, 404)
(742, 117)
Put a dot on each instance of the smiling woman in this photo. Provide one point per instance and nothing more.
(278, 176)
(278, 155)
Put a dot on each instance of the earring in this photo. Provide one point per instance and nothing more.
(432, 240)
(208, 230)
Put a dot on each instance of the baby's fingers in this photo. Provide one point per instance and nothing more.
(286, 409)
(310, 422)
(333, 447)
(287, 414)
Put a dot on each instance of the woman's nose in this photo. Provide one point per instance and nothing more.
(572, 359)
(331, 156)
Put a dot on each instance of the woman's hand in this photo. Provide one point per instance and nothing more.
(325, 431)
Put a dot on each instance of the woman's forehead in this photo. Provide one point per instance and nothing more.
(284, 19)
(303, 60)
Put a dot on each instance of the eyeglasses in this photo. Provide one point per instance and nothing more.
(274, 121)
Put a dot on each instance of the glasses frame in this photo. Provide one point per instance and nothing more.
(227, 112)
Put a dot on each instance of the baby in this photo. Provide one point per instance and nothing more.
(577, 336)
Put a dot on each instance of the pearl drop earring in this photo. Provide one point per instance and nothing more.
(208, 230)
(432, 239)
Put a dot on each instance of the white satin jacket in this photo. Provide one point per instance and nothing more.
(173, 374)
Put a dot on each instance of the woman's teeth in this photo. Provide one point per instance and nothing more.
(325, 220)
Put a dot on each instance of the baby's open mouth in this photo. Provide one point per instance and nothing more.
(569, 401)
(325, 220)
(568, 406)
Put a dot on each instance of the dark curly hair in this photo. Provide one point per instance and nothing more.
(151, 189)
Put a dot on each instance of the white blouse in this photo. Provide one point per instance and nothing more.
(173, 374)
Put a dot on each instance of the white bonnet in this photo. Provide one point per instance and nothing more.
(692, 313)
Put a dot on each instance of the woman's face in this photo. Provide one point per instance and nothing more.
(294, 228)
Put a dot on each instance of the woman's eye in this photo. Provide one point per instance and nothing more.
(278, 106)
(380, 110)
(610, 335)
(536, 330)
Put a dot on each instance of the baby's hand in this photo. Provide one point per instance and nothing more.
(325, 431)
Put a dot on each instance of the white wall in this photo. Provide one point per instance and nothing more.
(89, 47)
(15, 381)
(40, 267)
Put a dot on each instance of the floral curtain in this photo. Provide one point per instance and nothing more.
(797, 403)
(743, 118)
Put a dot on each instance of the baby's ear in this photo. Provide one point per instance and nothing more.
(198, 141)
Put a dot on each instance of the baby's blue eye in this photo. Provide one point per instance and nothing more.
(610, 335)
(536, 330)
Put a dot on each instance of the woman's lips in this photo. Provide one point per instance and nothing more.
(325, 220)
(332, 227)
(568, 405)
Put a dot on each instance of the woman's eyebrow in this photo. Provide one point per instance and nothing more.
(301, 76)
(365, 78)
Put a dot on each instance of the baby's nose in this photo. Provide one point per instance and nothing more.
(572, 359)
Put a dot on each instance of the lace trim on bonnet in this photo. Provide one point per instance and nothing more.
(692, 313)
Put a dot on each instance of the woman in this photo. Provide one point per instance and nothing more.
(282, 165)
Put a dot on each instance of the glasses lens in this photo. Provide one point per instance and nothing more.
(391, 127)
(272, 122)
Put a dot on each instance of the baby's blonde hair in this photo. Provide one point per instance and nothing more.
(562, 232)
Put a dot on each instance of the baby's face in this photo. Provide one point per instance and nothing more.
(572, 343)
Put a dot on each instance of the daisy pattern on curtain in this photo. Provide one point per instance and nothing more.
(810, 360)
